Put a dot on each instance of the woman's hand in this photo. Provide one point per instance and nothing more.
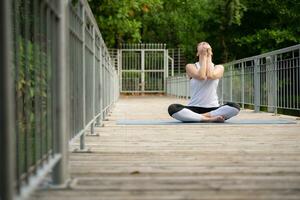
(203, 53)
(209, 52)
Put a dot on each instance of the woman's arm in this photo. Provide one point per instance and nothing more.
(216, 72)
(213, 72)
(193, 72)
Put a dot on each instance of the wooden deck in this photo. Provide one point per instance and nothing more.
(184, 161)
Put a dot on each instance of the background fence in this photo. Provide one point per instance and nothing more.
(58, 82)
(267, 82)
(144, 67)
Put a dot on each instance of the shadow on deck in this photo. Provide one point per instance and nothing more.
(184, 162)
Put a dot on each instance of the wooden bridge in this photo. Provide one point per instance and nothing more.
(60, 113)
(216, 161)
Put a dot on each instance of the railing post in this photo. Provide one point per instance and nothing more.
(143, 70)
(82, 137)
(271, 78)
(173, 65)
(276, 84)
(99, 119)
(7, 140)
(243, 84)
(94, 79)
(230, 92)
(60, 172)
(256, 85)
(166, 70)
(120, 57)
(101, 83)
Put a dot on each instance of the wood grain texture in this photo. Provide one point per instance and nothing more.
(183, 162)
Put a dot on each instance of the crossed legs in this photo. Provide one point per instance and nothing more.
(198, 114)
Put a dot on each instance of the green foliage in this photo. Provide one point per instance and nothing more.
(31, 88)
(269, 25)
(120, 21)
(235, 28)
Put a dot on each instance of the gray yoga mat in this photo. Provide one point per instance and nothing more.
(176, 122)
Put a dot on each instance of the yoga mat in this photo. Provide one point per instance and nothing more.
(176, 122)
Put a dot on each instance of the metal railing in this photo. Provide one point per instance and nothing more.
(93, 79)
(143, 68)
(178, 86)
(267, 82)
(57, 81)
(179, 61)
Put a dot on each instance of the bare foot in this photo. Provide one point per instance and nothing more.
(213, 119)
(218, 119)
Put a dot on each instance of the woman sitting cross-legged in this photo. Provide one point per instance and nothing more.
(204, 105)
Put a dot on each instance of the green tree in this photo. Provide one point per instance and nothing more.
(120, 21)
(234, 28)
(268, 25)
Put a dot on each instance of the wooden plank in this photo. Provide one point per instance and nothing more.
(184, 162)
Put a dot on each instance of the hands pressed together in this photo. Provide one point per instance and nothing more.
(207, 70)
(205, 51)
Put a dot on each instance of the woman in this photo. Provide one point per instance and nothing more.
(204, 105)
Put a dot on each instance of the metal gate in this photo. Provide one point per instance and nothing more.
(143, 68)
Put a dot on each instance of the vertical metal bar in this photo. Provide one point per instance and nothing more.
(119, 60)
(101, 82)
(149, 64)
(284, 82)
(280, 82)
(49, 118)
(243, 84)
(7, 122)
(60, 171)
(297, 78)
(276, 85)
(143, 69)
(172, 63)
(94, 79)
(43, 43)
(25, 28)
(82, 137)
(256, 85)
(166, 69)
(156, 65)
(270, 78)
(36, 89)
(293, 80)
(231, 77)
(290, 82)
(121, 69)
(18, 105)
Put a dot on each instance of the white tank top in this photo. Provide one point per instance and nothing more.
(203, 92)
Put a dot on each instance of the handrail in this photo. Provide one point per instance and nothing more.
(64, 85)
